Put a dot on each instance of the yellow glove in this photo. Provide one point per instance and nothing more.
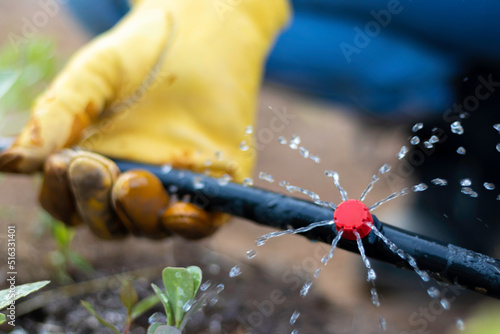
(175, 82)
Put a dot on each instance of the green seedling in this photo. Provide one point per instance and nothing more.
(181, 285)
(63, 257)
(8, 297)
(129, 299)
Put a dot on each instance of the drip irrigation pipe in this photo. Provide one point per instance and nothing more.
(444, 262)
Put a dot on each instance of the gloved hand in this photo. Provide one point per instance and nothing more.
(175, 82)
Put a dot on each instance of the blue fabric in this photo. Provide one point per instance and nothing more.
(394, 58)
(388, 75)
(98, 16)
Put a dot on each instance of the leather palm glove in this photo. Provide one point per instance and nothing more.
(174, 82)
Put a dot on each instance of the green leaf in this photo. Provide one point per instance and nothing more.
(21, 291)
(144, 305)
(2, 318)
(63, 234)
(179, 287)
(89, 308)
(128, 295)
(153, 327)
(166, 304)
(197, 275)
(7, 80)
(80, 262)
(167, 330)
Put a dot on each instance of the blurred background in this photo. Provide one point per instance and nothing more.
(346, 138)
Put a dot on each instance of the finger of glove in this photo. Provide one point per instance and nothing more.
(105, 74)
(91, 177)
(56, 196)
(189, 221)
(139, 200)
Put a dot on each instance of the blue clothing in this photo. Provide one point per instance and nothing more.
(392, 58)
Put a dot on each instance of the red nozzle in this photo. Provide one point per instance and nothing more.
(352, 215)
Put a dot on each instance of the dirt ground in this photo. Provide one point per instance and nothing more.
(339, 301)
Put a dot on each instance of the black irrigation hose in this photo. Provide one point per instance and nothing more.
(446, 263)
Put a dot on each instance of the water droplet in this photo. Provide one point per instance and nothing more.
(213, 301)
(315, 158)
(460, 324)
(251, 254)
(465, 182)
(371, 275)
(156, 317)
(464, 115)
(249, 130)
(284, 183)
(469, 191)
(497, 127)
(384, 169)
(294, 317)
(375, 299)
(417, 127)
(305, 288)
(205, 285)
(295, 331)
(235, 271)
(415, 140)
(261, 241)
(439, 182)
(428, 145)
(218, 155)
(224, 180)
(489, 186)
(266, 177)
(178, 274)
(208, 163)
(457, 128)
(433, 292)
(219, 288)
(198, 182)
(419, 187)
(434, 139)
(498, 147)
(188, 305)
(294, 142)
(244, 146)
(402, 152)
(461, 150)
(383, 324)
(247, 182)
(165, 169)
(304, 152)
(445, 304)
(282, 140)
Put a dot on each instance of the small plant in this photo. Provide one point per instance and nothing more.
(8, 298)
(181, 285)
(63, 257)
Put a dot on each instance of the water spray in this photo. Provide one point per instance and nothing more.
(444, 262)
